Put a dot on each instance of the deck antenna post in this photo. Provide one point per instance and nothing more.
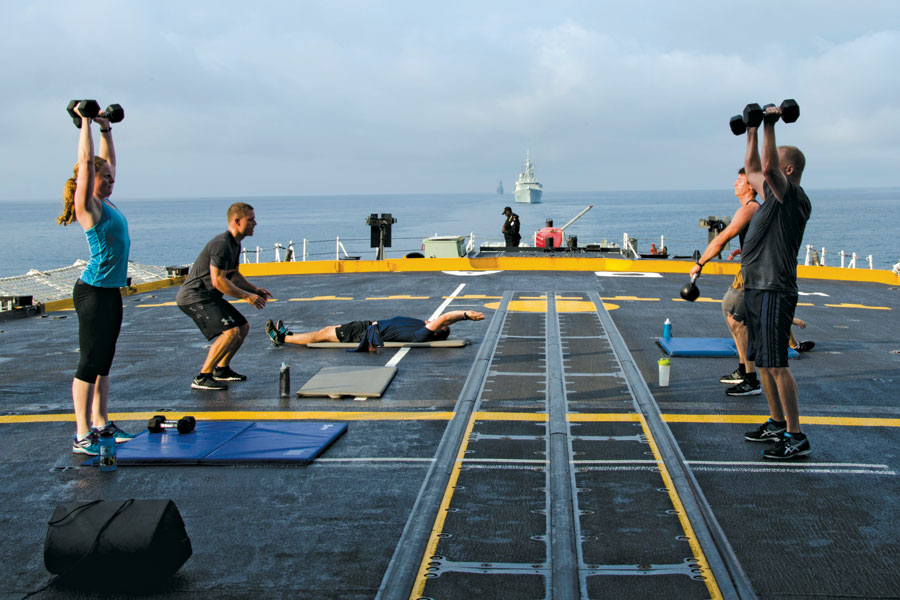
(380, 230)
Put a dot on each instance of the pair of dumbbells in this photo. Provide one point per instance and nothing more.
(159, 423)
(91, 109)
(754, 115)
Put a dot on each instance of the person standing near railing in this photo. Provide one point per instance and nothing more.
(97, 299)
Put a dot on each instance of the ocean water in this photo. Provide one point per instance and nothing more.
(172, 231)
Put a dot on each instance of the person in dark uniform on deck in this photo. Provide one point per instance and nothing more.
(201, 297)
(510, 228)
(372, 334)
(743, 378)
(769, 267)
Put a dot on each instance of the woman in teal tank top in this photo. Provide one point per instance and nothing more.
(98, 301)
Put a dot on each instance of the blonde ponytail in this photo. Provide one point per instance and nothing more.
(68, 212)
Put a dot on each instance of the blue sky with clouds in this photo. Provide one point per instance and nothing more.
(231, 98)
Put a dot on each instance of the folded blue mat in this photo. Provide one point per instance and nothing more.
(231, 442)
(705, 347)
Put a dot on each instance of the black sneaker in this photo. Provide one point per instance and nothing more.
(205, 381)
(789, 447)
(745, 388)
(734, 377)
(274, 334)
(805, 346)
(226, 374)
(767, 432)
(279, 325)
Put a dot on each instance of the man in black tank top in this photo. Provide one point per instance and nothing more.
(744, 377)
(769, 266)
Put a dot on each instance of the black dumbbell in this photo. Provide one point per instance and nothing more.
(754, 114)
(184, 425)
(689, 291)
(89, 108)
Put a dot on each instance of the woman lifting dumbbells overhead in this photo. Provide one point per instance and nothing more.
(98, 301)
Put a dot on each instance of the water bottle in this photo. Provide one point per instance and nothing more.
(667, 330)
(664, 366)
(107, 451)
(284, 381)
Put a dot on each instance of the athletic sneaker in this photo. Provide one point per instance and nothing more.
(226, 374)
(89, 444)
(767, 432)
(205, 381)
(805, 346)
(745, 388)
(734, 377)
(119, 434)
(279, 325)
(789, 447)
(276, 336)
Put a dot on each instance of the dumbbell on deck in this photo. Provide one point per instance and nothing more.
(184, 425)
(89, 108)
(754, 114)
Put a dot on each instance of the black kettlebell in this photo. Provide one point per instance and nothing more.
(690, 292)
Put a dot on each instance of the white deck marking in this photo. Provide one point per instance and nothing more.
(469, 273)
(625, 274)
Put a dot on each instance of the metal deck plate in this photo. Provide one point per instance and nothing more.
(335, 382)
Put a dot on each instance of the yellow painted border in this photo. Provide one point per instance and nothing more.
(296, 415)
(243, 415)
(418, 589)
(504, 263)
(68, 303)
(542, 263)
(710, 581)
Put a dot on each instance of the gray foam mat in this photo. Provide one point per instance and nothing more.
(336, 382)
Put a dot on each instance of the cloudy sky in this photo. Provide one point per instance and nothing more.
(300, 98)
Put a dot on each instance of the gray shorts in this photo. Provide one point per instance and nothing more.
(733, 304)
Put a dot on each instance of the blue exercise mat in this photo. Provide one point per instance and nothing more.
(277, 442)
(704, 347)
(230, 442)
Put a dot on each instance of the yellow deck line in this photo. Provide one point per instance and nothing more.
(296, 415)
(245, 415)
(848, 305)
(315, 298)
(697, 550)
(418, 590)
(554, 263)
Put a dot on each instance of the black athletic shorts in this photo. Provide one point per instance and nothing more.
(213, 316)
(352, 331)
(769, 317)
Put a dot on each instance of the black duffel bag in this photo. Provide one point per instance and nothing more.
(122, 539)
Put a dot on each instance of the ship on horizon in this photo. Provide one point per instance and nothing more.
(500, 187)
(528, 188)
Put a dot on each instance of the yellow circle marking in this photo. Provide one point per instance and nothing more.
(562, 306)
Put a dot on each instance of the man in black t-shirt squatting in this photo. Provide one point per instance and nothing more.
(214, 274)
(769, 267)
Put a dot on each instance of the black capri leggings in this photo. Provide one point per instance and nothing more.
(99, 321)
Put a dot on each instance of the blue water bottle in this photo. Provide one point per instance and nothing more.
(107, 451)
(667, 330)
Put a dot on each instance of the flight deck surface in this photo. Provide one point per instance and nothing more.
(541, 460)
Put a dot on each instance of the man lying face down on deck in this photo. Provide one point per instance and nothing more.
(372, 334)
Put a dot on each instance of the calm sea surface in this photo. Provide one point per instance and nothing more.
(172, 231)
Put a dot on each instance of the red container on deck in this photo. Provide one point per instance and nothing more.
(549, 237)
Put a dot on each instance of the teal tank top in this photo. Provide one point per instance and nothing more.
(109, 243)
